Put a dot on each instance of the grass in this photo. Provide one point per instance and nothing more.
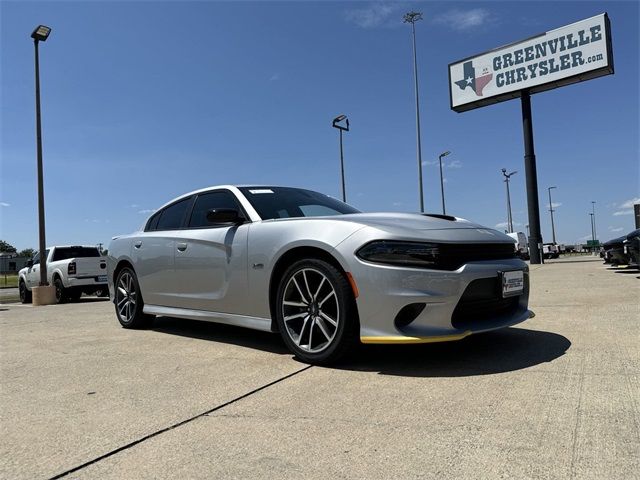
(8, 280)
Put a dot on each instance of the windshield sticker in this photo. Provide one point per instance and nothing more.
(263, 190)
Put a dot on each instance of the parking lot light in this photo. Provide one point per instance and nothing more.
(507, 176)
(441, 179)
(553, 228)
(41, 33)
(342, 128)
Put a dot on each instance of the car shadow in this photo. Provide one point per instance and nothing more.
(482, 354)
(217, 332)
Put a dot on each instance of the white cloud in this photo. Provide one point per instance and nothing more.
(454, 164)
(5, 204)
(147, 210)
(397, 204)
(372, 16)
(554, 204)
(630, 203)
(134, 205)
(505, 225)
(464, 19)
(586, 237)
(428, 163)
(274, 77)
(619, 229)
(623, 212)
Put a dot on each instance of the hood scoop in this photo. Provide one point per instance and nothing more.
(440, 216)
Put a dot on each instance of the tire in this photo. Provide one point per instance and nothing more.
(25, 295)
(128, 301)
(316, 312)
(61, 292)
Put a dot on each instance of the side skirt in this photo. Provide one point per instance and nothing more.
(255, 323)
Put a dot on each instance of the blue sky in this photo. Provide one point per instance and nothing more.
(143, 101)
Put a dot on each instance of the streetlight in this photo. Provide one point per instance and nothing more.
(593, 231)
(336, 124)
(40, 34)
(441, 180)
(593, 209)
(553, 228)
(412, 18)
(507, 176)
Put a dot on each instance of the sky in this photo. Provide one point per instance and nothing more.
(143, 101)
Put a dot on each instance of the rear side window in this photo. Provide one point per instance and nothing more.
(209, 201)
(65, 253)
(171, 217)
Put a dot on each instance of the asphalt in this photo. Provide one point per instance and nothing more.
(554, 398)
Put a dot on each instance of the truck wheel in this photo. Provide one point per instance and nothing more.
(128, 301)
(61, 292)
(25, 295)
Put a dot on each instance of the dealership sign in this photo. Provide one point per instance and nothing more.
(570, 54)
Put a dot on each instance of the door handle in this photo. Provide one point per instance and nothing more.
(182, 246)
(137, 244)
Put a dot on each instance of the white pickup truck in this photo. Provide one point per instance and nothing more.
(73, 270)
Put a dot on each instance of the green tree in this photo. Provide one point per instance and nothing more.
(27, 252)
(7, 247)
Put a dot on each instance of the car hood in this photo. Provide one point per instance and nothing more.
(408, 224)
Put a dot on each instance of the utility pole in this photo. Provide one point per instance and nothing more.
(553, 228)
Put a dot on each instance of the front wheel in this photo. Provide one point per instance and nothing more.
(25, 295)
(316, 312)
(128, 301)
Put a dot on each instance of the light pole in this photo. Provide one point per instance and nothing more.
(336, 124)
(593, 230)
(40, 34)
(441, 180)
(593, 209)
(507, 176)
(412, 18)
(553, 228)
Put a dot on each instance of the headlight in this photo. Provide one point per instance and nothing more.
(406, 254)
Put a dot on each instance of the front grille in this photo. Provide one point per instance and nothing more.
(452, 256)
(482, 300)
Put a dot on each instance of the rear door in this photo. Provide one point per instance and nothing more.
(153, 254)
(211, 259)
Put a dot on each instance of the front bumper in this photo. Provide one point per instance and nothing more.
(386, 290)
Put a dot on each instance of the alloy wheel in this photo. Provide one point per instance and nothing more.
(310, 310)
(126, 297)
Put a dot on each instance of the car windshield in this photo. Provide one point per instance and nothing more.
(285, 202)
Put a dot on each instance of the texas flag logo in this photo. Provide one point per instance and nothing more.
(477, 84)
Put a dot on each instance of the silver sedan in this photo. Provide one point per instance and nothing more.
(317, 270)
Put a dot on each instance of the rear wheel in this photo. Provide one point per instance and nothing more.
(316, 312)
(25, 295)
(128, 301)
(61, 292)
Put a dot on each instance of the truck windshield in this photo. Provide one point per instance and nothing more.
(285, 202)
(64, 253)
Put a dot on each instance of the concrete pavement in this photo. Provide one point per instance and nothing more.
(555, 397)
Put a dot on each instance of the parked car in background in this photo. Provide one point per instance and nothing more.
(317, 270)
(632, 248)
(550, 250)
(522, 244)
(73, 270)
(614, 251)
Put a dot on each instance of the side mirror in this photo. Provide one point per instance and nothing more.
(30, 263)
(225, 215)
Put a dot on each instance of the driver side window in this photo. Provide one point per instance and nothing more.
(210, 201)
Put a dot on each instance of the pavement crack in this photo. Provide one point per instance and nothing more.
(176, 425)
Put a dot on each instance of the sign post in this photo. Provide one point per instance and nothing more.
(570, 54)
